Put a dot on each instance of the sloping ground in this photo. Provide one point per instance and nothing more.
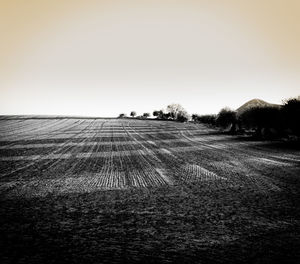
(120, 190)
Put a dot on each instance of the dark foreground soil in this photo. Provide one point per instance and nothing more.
(220, 199)
(191, 224)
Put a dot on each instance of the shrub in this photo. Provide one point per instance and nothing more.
(182, 116)
(207, 119)
(146, 115)
(226, 118)
(122, 115)
(291, 115)
(262, 118)
(155, 113)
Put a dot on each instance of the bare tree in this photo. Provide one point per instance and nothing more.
(174, 110)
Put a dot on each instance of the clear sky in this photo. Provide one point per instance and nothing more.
(101, 58)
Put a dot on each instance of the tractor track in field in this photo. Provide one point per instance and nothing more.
(154, 172)
(134, 191)
(180, 167)
(253, 164)
(132, 154)
(47, 157)
(33, 177)
(248, 173)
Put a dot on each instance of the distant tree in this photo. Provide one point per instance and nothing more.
(146, 115)
(262, 119)
(291, 114)
(155, 113)
(165, 115)
(133, 113)
(182, 116)
(207, 119)
(174, 109)
(226, 118)
(160, 114)
(195, 117)
(122, 115)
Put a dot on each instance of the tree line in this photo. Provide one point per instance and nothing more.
(261, 121)
(134, 115)
(173, 112)
(267, 121)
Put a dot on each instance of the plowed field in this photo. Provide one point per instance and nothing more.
(124, 190)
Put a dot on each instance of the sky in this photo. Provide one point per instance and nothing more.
(102, 58)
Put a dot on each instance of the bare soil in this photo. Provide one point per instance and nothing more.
(132, 191)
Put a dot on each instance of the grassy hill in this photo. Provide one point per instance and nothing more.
(255, 103)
